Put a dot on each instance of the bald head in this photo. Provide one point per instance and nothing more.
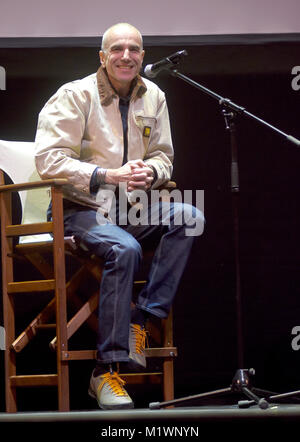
(117, 30)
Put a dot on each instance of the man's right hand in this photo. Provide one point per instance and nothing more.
(135, 172)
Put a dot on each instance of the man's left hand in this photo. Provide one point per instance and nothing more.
(142, 178)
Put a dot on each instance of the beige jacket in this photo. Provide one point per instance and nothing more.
(80, 128)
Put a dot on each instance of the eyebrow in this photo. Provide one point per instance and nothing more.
(120, 46)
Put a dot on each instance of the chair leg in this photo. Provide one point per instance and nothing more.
(10, 357)
(168, 364)
(168, 379)
(8, 304)
(9, 327)
(61, 301)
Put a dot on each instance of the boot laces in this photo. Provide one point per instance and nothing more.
(140, 338)
(114, 382)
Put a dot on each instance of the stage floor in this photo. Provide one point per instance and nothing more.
(201, 423)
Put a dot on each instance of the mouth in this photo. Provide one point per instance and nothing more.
(125, 67)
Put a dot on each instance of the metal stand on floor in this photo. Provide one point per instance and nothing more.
(241, 380)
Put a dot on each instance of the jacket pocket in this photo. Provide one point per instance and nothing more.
(146, 125)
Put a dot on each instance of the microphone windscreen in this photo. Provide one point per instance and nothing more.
(148, 72)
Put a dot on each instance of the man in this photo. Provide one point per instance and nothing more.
(109, 135)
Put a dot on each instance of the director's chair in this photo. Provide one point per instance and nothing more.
(34, 240)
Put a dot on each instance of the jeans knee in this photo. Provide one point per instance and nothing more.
(191, 218)
(128, 250)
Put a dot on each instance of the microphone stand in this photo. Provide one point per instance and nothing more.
(241, 381)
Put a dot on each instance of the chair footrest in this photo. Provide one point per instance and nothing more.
(164, 352)
(161, 352)
(31, 286)
(35, 380)
(77, 355)
(142, 378)
(46, 326)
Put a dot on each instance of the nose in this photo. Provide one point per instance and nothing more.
(125, 54)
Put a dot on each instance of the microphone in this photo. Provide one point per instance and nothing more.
(151, 70)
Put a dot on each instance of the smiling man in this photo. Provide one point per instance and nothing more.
(109, 134)
(122, 56)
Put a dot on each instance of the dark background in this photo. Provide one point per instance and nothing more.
(254, 72)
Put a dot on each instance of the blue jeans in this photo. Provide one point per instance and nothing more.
(120, 246)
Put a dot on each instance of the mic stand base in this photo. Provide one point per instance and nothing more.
(240, 384)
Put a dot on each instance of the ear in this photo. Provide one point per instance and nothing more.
(102, 57)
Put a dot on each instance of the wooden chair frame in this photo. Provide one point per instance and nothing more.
(55, 279)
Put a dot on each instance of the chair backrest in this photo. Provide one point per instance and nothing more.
(17, 161)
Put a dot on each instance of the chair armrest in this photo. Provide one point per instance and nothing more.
(168, 185)
(56, 182)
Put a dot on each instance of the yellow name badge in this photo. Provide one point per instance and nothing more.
(147, 131)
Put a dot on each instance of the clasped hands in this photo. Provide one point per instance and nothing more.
(136, 173)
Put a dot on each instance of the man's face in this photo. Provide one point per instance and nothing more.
(123, 57)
